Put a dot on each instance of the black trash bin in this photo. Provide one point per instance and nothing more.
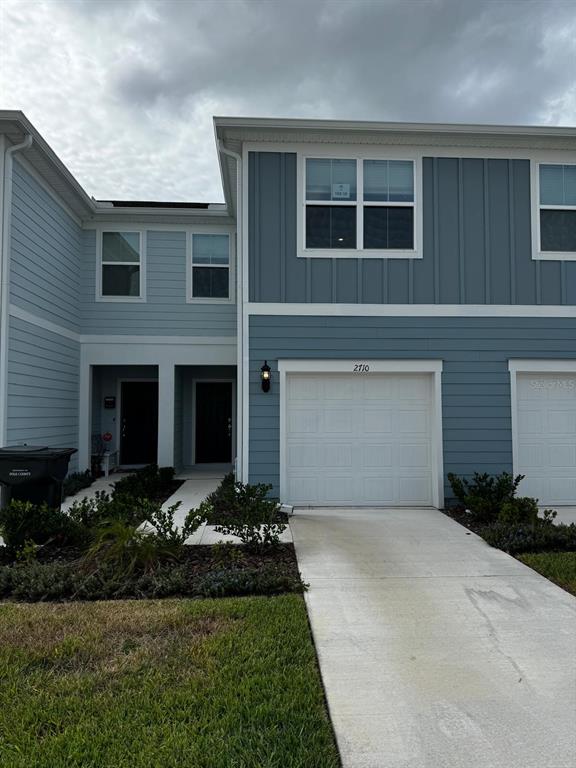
(34, 473)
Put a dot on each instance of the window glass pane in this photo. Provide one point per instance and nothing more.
(551, 185)
(121, 246)
(330, 226)
(558, 230)
(376, 180)
(330, 179)
(389, 227)
(210, 249)
(210, 283)
(120, 280)
(570, 184)
(401, 177)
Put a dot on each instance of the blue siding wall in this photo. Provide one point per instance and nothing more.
(477, 242)
(43, 386)
(165, 312)
(475, 380)
(45, 253)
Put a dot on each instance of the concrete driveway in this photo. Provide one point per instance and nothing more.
(436, 651)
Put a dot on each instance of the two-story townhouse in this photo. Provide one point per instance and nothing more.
(413, 289)
(410, 289)
(117, 319)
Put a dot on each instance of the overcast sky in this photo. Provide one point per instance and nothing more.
(124, 90)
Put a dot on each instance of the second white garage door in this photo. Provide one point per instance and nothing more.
(547, 437)
(359, 440)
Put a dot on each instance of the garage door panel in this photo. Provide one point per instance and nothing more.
(376, 421)
(546, 451)
(360, 439)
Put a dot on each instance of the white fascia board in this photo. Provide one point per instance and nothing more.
(357, 366)
(221, 123)
(411, 310)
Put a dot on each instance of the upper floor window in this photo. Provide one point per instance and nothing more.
(210, 267)
(121, 271)
(557, 186)
(360, 206)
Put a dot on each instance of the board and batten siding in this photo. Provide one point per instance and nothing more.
(477, 245)
(43, 388)
(165, 311)
(476, 405)
(45, 253)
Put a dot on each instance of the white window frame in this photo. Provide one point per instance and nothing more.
(537, 252)
(359, 155)
(100, 264)
(432, 367)
(190, 298)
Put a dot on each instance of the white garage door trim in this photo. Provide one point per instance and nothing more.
(560, 367)
(363, 367)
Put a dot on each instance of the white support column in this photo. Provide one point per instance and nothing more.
(85, 415)
(166, 373)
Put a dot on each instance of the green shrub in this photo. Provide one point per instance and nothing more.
(22, 522)
(165, 530)
(103, 507)
(251, 516)
(522, 510)
(540, 535)
(76, 482)
(221, 502)
(34, 582)
(125, 549)
(485, 494)
(149, 482)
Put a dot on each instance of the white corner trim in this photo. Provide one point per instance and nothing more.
(530, 366)
(412, 310)
(433, 367)
(47, 325)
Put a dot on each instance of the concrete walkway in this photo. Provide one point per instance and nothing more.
(436, 651)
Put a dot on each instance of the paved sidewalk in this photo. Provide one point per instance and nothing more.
(436, 651)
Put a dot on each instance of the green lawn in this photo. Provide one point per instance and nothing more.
(559, 567)
(229, 683)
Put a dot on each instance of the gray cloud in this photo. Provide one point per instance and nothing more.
(144, 76)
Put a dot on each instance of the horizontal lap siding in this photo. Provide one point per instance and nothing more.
(476, 242)
(43, 386)
(165, 311)
(475, 380)
(45, 253)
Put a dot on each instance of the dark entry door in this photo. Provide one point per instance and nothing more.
(139, 422)
(213, 422)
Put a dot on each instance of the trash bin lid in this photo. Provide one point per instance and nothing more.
(35, 451)
(24, 449)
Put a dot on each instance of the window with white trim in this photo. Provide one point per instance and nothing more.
(210, 267)
(121, 265)
(557, 186)
(360, 204)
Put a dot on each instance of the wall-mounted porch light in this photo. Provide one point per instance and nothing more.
(265, 375)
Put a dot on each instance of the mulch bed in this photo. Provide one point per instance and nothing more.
(464, 518)
(198, 559)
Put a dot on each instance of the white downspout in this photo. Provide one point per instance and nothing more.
(240, 425)
(5, 279)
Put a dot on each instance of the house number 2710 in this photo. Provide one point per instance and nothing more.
(361, 368)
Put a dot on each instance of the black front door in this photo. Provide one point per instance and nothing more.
(139, 422)
(213, 422)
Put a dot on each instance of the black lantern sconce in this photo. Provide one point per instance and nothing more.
(265, 375)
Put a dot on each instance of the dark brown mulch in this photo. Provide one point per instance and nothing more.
(464, 518)
(198, 559)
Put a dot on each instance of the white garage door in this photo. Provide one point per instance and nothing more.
(359, 440)
(547, 437)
